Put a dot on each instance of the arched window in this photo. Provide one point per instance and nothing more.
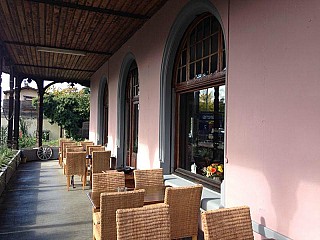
(132, 116)
(199, 74)
(105, 115)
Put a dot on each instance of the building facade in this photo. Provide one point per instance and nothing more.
(205, 82)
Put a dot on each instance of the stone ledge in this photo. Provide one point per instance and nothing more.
(209, 199)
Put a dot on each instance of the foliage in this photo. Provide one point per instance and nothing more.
(51, 143)
(3, 135)
(27, 141)
(213, 170)
(69, 108)
(23, 126)
(6, 154)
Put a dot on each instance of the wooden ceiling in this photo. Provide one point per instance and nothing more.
(97, 28)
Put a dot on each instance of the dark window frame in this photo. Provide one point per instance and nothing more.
(199, 81)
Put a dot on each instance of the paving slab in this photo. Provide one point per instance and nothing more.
(37, 205)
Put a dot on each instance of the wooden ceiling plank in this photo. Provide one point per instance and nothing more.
(91, 9)
(79, 30)
(88, 30)
(42, 24)
(26, 53)
(55, 26)
(8, 19)
(109, 31)
(35, 25)
(102, 27)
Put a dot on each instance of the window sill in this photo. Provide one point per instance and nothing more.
(210, 199)
(196, 178)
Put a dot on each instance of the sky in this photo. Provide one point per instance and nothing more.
(6, 81)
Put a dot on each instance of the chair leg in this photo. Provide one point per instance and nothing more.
(84, 180)
(68, 182)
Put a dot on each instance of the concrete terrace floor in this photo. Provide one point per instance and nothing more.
(37, 205)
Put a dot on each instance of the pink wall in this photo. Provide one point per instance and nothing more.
(147, 46)
(272, 101)
(272, 116)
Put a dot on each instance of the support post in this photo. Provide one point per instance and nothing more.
(10, 114)
(17, 91)
(1, 69)
(40, 112)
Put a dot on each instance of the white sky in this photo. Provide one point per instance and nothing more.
(6, 81)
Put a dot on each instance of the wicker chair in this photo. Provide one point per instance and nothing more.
(100, 161)
(109, 181)
(227, 224)
(70, 148)
(76, 165)
(84, 144)
(109, 204)
(97, 148)
(149, 177)
(184, 204)
(62, 152)
(148, 222)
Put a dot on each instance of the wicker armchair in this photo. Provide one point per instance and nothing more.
(84, 144)
(227, 224)
(148, 222)
(184, 204)
(106, 182)
(109, 204)
(62, 151)
(149, 177)
(97, 148)
(100, 161)
(76, 165)
(70, 148)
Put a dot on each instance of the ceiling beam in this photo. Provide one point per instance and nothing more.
(45, 46)
(60, 3)
(55, 68)
(83, 82)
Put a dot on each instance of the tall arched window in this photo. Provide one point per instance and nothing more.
(200, 68)
(132, 116)
(105, 115)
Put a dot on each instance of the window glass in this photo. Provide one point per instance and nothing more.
(201, 102)
(202, 127)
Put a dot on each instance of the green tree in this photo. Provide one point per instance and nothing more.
(69, 108)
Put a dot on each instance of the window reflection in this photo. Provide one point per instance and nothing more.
(202, 127)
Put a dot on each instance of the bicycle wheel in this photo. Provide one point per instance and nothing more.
(44, 152)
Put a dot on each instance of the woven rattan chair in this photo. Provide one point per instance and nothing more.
(97, 148)
(109, 181)
(227, 224)
(84, 144)
(100, 161)
(109, 204)
(148, 222)
(62, 143)
(76, 165)
(184, 204)
(149, 177)
(70, 148)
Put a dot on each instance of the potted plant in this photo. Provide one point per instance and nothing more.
(214, 171)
